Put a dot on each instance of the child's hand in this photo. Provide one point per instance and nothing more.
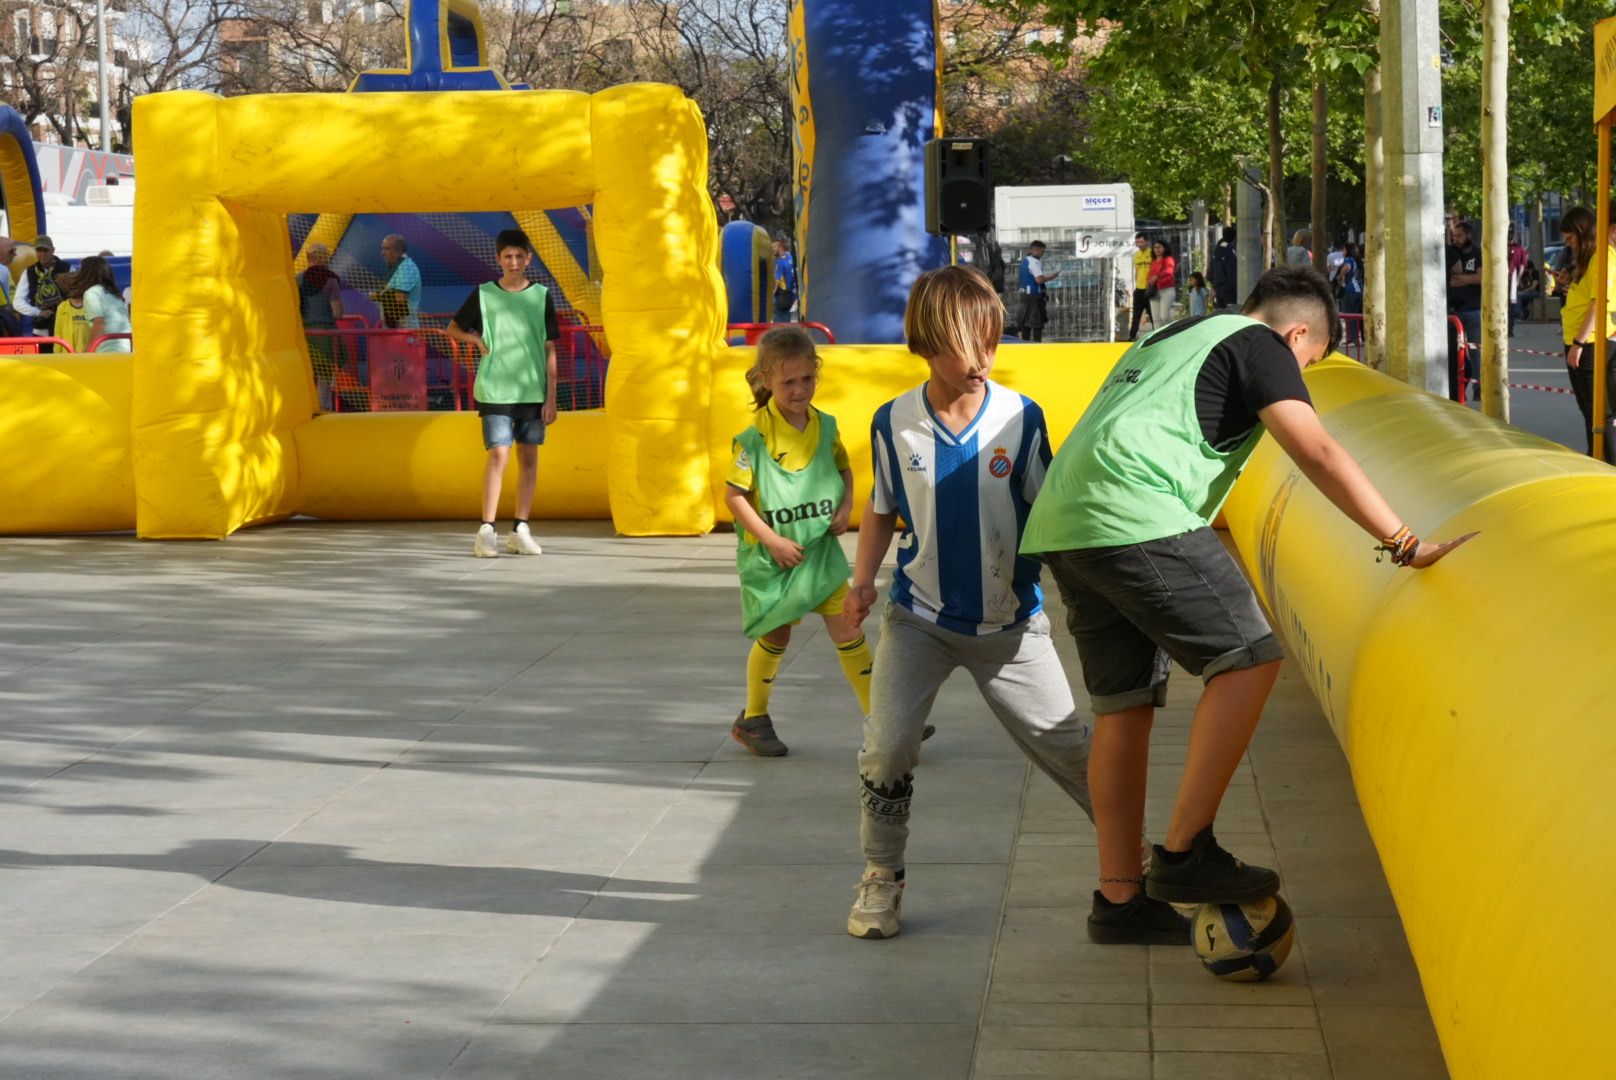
(1426, 554)
(480, 345)
(857, 603)
(787, 553)
(548, 412)
(841, 519)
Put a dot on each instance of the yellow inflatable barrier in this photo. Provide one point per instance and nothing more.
(65, 438)
(1474, 703)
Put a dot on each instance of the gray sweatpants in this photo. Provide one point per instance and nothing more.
(1024, 684)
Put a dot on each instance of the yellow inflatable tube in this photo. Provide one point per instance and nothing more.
(1474, 703)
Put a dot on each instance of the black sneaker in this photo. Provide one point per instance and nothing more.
(756, 733)
(927, 732)
(1207, 875)
(1140, 921)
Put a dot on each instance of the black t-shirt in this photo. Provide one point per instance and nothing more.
(1243, 374)
(470, 316)
(1465, 297)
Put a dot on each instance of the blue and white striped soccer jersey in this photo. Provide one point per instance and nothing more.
(964, 501)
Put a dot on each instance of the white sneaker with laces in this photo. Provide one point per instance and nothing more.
(521, 542)
(875, 911)
(487, 544)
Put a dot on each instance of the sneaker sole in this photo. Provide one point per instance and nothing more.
(1196, 894)
(782, 752)
(1101, 934)
(519, 551)
(485, 554)
(871, 933)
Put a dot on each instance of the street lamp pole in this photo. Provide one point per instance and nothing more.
(101, 71)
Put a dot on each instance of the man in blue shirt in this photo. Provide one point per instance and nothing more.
(400, 298)
(785, 280)
(1033, 313)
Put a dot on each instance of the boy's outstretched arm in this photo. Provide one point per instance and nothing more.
(1296, 427)
(875, 536)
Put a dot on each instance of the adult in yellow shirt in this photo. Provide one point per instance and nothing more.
(1577, 318)
(1141, 284)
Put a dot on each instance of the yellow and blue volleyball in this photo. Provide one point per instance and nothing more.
(1244, 942)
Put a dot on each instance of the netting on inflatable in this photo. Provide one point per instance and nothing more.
(362, 365)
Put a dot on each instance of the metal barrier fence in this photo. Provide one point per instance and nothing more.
(1084, 303)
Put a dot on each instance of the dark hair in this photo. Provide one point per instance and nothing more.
(1167, 247)
(512, 238)
(94, 270)
(1228, 234)
(1035, 243)
(1140, 236)
(1577, 229)
(1469, 231)
(1197, 280)
(1286, 292)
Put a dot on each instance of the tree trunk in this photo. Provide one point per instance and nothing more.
(1274, 227)
(1374, 234)
(1495, 210)
(1321, 116)
(1228, 204)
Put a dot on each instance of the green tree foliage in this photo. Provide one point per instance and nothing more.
(1551, 104)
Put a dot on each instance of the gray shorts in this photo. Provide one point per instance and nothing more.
(1133, 609)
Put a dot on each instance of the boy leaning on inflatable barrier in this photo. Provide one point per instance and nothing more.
(1123, 522)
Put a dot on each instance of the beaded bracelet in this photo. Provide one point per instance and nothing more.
(1401, 546)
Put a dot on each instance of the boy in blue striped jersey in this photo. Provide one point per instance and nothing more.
(960, 459)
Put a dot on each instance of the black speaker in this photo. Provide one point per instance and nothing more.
(959, 195)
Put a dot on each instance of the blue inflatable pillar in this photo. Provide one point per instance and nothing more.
(746, 257)
(866, 97)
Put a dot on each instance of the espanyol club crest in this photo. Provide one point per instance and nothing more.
(999, 463)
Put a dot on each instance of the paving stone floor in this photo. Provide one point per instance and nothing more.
(339, 801)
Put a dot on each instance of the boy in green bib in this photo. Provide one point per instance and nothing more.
(512, 325)
(790, 491)
(1123, 522)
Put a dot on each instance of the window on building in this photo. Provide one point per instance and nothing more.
(1034, 37)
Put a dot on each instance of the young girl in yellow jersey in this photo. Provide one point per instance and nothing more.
(790, 491)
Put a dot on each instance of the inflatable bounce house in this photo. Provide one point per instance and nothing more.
(1470, 699)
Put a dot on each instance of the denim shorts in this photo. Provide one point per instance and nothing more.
(525, 426)
(1136, 608)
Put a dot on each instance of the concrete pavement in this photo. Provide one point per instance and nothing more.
(331, 801)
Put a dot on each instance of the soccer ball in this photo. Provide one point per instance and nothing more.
(1244, 942)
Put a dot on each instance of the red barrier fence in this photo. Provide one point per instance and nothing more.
(30, 345)
(360, 369)
(754, 330)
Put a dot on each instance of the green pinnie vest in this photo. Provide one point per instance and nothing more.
(1137, 467)
(514, 371)
(799, 506)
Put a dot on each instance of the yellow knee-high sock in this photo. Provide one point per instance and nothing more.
(762, 665)
(855, 658)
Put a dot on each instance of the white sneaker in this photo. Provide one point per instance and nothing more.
(875, 912)
(487, 545)
(521, 542)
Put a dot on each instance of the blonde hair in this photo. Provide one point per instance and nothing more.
(954, 311)
(774, 348)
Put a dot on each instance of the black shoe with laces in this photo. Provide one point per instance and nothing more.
(1206, 874)
(1140, 921)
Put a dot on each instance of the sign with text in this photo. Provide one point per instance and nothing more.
(397, 373)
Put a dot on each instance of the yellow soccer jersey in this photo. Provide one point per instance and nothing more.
(792, 449)
(1141, 268)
